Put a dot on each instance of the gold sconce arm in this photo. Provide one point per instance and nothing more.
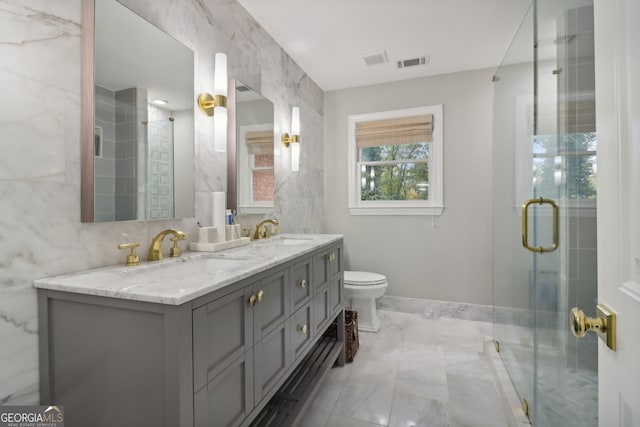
(208, 102)
(286, 139)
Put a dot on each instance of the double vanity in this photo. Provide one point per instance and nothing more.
(204, 339)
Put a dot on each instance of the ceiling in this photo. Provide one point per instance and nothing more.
(328, 38)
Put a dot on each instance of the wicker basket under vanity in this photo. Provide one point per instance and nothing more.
(351, 335)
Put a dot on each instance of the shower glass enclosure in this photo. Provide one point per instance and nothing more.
(544, 156)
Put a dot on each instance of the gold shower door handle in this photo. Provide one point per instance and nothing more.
(525, 225)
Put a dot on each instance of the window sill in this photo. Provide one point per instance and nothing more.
(395, 211)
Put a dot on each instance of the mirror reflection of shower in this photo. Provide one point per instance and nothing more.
(156, 184)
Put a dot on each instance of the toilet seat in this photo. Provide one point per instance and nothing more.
(363, 278)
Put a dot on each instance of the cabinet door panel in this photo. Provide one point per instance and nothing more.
(334, 261)
(321, 313)
(222, 332)
(228, 398)
(301, 330)
(335, 294)
(300, 284)
(272, 358)
(320, 273)
(273, 309)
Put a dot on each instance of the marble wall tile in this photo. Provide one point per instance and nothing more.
(40, 229)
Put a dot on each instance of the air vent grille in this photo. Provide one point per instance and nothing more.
(413, 62)
(375, 58)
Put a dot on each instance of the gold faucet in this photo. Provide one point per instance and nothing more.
(155, 250)
(258, 235)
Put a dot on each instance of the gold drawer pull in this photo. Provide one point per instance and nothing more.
(332, 256)
(252, 300)
(303, 284)
(303, 329)
(260, 296)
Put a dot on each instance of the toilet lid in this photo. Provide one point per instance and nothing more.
(363, 278)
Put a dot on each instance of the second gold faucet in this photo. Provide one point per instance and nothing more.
(155, 249)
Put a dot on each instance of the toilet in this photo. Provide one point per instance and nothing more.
(361, 289)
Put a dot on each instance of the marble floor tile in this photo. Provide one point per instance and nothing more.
(340, 421)
(412, 411)
(418, 370)
(366, 400)
(473, 402)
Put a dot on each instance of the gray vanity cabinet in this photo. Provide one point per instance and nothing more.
(214, 361)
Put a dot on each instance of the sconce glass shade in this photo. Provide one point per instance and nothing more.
(220, 112)
(295, 156)
(220, 75)
(295, 121)
(220, 129)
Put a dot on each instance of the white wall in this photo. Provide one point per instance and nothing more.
(445, 257)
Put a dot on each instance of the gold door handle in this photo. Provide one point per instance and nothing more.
(303, 329)
(252, 300)
(303, 284)
(525, 225)
(604, 324)
(260, 296)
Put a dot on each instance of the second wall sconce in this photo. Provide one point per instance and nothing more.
(216, 105)
(294, 139)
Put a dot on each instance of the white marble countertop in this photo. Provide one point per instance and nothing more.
(175, 281)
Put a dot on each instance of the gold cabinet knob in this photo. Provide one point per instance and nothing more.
(132, 259)
(252, 300)
(303, 283)
(332, 256)
(604, 324)
(260, 296)
(303, 329)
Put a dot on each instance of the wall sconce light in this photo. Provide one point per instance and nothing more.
(216, 105)
(294, 139)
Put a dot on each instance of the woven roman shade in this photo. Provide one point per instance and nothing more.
(405, 130)
(259, 142)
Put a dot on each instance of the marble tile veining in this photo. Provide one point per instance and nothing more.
(410, 374)
(40, 229)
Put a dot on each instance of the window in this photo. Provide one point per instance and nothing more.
(255, 163)
(395, 162)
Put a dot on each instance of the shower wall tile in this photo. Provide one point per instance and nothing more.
(40, 229)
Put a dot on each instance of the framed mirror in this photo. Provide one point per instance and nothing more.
(137, 118)
(250, 151)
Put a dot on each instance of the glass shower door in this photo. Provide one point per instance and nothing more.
(513, 267)
(544, 156)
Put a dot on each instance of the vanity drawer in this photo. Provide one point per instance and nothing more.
(272, 358)
(228, 398)
(300, 284)
(301, 328)
(326, 265)
(222, 332)
(272, 305)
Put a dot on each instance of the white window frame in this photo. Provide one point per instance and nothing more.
(433, 206)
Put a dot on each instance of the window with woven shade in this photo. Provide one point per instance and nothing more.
(395, 162)
(256, 188)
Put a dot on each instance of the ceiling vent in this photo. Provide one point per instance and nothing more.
(413, 62)
(375, 58)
